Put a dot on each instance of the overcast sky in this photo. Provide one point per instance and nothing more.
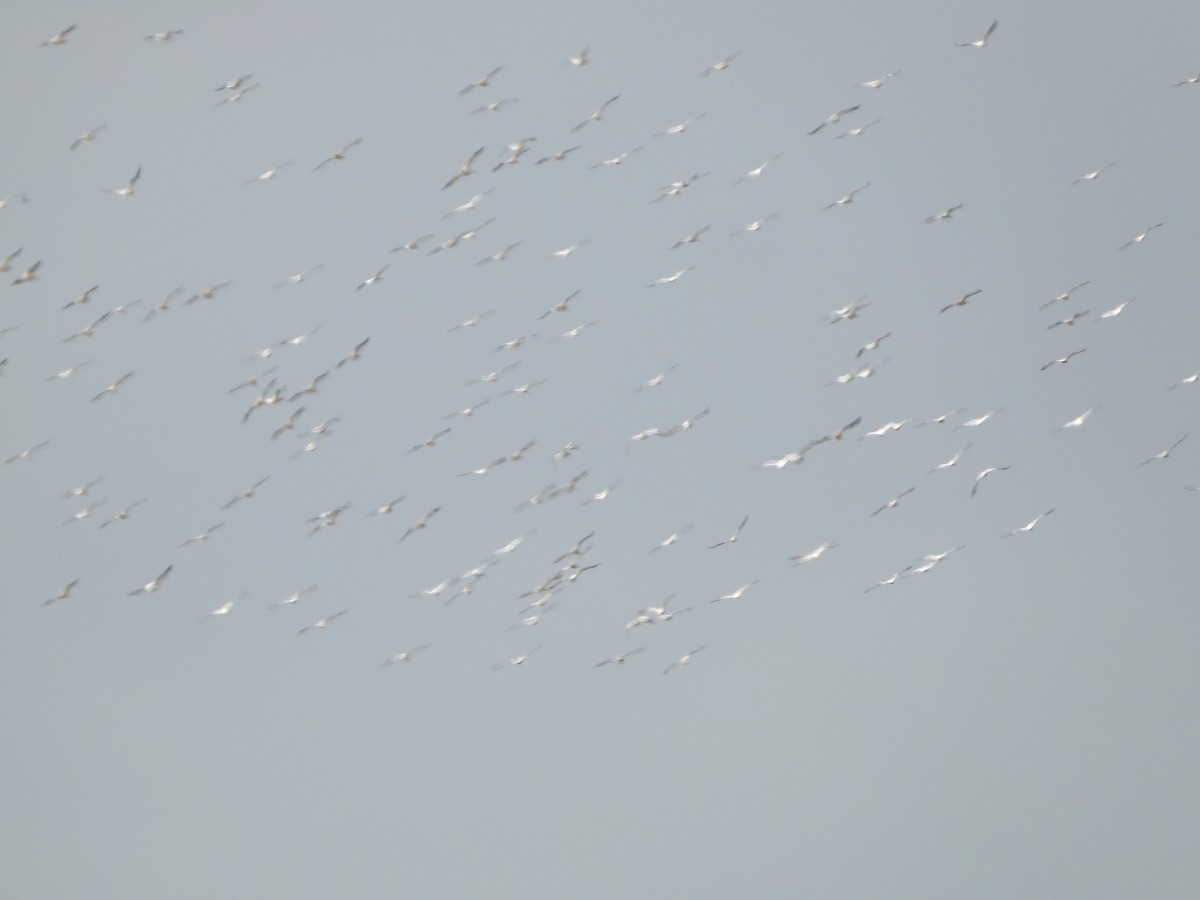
(934, 685)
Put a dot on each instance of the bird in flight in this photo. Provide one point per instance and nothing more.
(858, 131)
(87, 137)
(162, 37)
(951, 462)
(1116, 310)
(127, 190)
(374, 279)
(846, 200)
(1069, 320)
(1062, 360)
(29, 274)
(681, 127)
(894, 502)
(1064, 296)
(878, 82)
(944, 215)
(1092, 176)
(721, 65)
(757, 171)
(620, 658)
(62, 594)
(58, 39)
(483, 82)
(683, 660)
(1164, 454)
(580, 58)
(732, 539)
(465, 169)
(812, 555)
(152, 586)
(1029, 526)
(321, 624)
(736, 595)
(338, 155)
(835, 118)
(984, 474)
(983, 41)
(1141, 237)
(560, 156)
(404, 657)
(598, 115)
(961, 301)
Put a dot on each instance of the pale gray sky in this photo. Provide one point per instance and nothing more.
(1016, 721)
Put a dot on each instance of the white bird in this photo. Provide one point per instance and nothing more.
(1069, 320)
(616, 160)
(127, 191)
(70, 372)
(387, 508)
(1195, 79)
(951, 462)
(298, 277)
(237, 96)
(757, 224)
(114, 387)
(87, 137)
(62, 594)
(846, 200)
(858, 131)
(894, 502)
(732, 539)
(82, 490)
(604, 494)
(421, 524)
(1092, 176)
(517, 660)
(672, 278)
(944, 215)
(224, 609)
(404, 657)
(656, 380)
(483, 82)
(374, 279)
(293, 598)
(1062, 360)
(1064, 296)
(495, 105)
(758, 171)
(1141, 237)
(560, 156)
(983, 41)
(1029, 526)
(430, 441)
(499, 256)
(270, 173)
(337, 155)
(163, 36)
(976, 422)
(122, 514)
(683, 660)
(835, 118)
(1164, 454)
(812, 555)
(152, 586)
(29, 274)
(872, 345)
(247, 493)
(567, 251)
(492, 377)
(1116, 310)
(984, 474)
(681, 127)
(620, 658)
(671, 538)
(890, 580)
(598, 115)
(961, 301)
(848, 312)
(6, 264)
(321, 624)
(202, 536)
(878, 82)
(1078, 420)
(414, 244)
(60, 38)
(722, 64)
(328, 518)
(235, 84)
(85, 512)
(736, 595)
(1191, 379)
(886, 428)
(580, 58)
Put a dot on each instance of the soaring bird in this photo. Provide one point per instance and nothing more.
(983, 41)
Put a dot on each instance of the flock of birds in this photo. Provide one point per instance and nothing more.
(293, 411)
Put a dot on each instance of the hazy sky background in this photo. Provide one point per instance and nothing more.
(1017, 721)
